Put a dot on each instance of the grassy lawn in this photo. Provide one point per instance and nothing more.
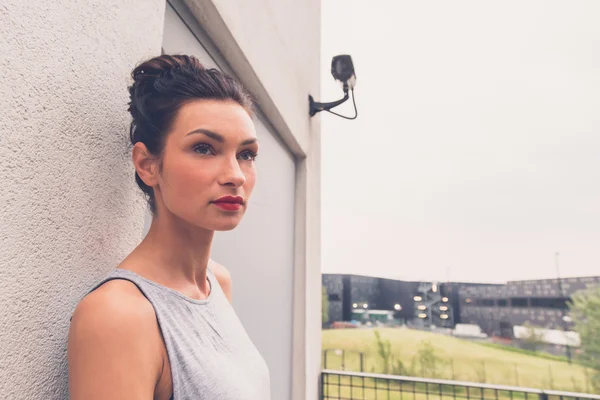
(461, 360)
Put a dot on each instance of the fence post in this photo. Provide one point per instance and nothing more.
(321, 385)
(543, 396)
(361, 362)
(484, 371)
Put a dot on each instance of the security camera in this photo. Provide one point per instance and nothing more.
(342, 70)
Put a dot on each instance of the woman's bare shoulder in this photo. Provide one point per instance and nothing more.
(114, 332)
(117, 301)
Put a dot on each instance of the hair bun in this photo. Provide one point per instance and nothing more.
(145, 72)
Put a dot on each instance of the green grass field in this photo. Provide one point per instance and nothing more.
(462, 360)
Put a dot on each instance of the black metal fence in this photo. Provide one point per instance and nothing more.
(511, 374)
(341, 385)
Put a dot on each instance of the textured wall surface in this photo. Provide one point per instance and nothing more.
(69, 209)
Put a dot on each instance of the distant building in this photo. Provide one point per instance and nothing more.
(496, 308)
(415, 302)
(542, 303)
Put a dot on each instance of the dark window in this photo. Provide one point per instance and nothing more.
(549, 302)
(518, 301)
(485, 302)
(334, 297)
(502, 302)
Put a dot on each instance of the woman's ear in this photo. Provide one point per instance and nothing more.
(145, 164)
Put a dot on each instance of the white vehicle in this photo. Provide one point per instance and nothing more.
(470, 331)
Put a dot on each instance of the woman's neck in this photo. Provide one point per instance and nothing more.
(174, 254)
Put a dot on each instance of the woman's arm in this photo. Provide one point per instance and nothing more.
(114, 347)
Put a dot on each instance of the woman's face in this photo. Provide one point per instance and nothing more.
(208, 169)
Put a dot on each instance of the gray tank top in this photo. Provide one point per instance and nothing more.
(211, 355)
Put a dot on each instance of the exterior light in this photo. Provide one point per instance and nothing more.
(567, 319)
(365, 305)
(467, 300)
(434, 287)
(422, 307)
(445, 299)
(418, 298)
(444, 316)
(422, 315)
(443, 308)
(354, 305)
(397, 307)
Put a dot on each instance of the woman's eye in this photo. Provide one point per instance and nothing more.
(203, 149)
(247, 156)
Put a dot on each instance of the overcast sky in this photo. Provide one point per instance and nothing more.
(476, 154)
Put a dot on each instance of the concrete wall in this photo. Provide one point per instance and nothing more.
(69, 206)
(68, 203)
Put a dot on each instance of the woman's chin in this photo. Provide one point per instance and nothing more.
(225, 228)
(227, 225)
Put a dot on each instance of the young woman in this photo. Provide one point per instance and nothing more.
(161, 325)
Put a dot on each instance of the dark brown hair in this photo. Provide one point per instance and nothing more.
(161, 86)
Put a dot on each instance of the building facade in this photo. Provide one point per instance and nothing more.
(496, 308)
(70, 208)
(543, 303)
(349, 292)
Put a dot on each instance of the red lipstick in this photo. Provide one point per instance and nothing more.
(229, 203)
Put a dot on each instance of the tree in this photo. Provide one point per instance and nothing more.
(384, 349)
(429, 360)
(389, 363)
(532, 340)
(585, 312)
(324, 306)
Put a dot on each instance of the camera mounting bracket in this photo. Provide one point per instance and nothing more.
(315, 106)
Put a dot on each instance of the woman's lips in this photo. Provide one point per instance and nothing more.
(228, 206)
(229, 203)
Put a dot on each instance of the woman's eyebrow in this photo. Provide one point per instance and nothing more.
(210, 134)
(217, 137)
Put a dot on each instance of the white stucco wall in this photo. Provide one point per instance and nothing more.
(69, 208)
